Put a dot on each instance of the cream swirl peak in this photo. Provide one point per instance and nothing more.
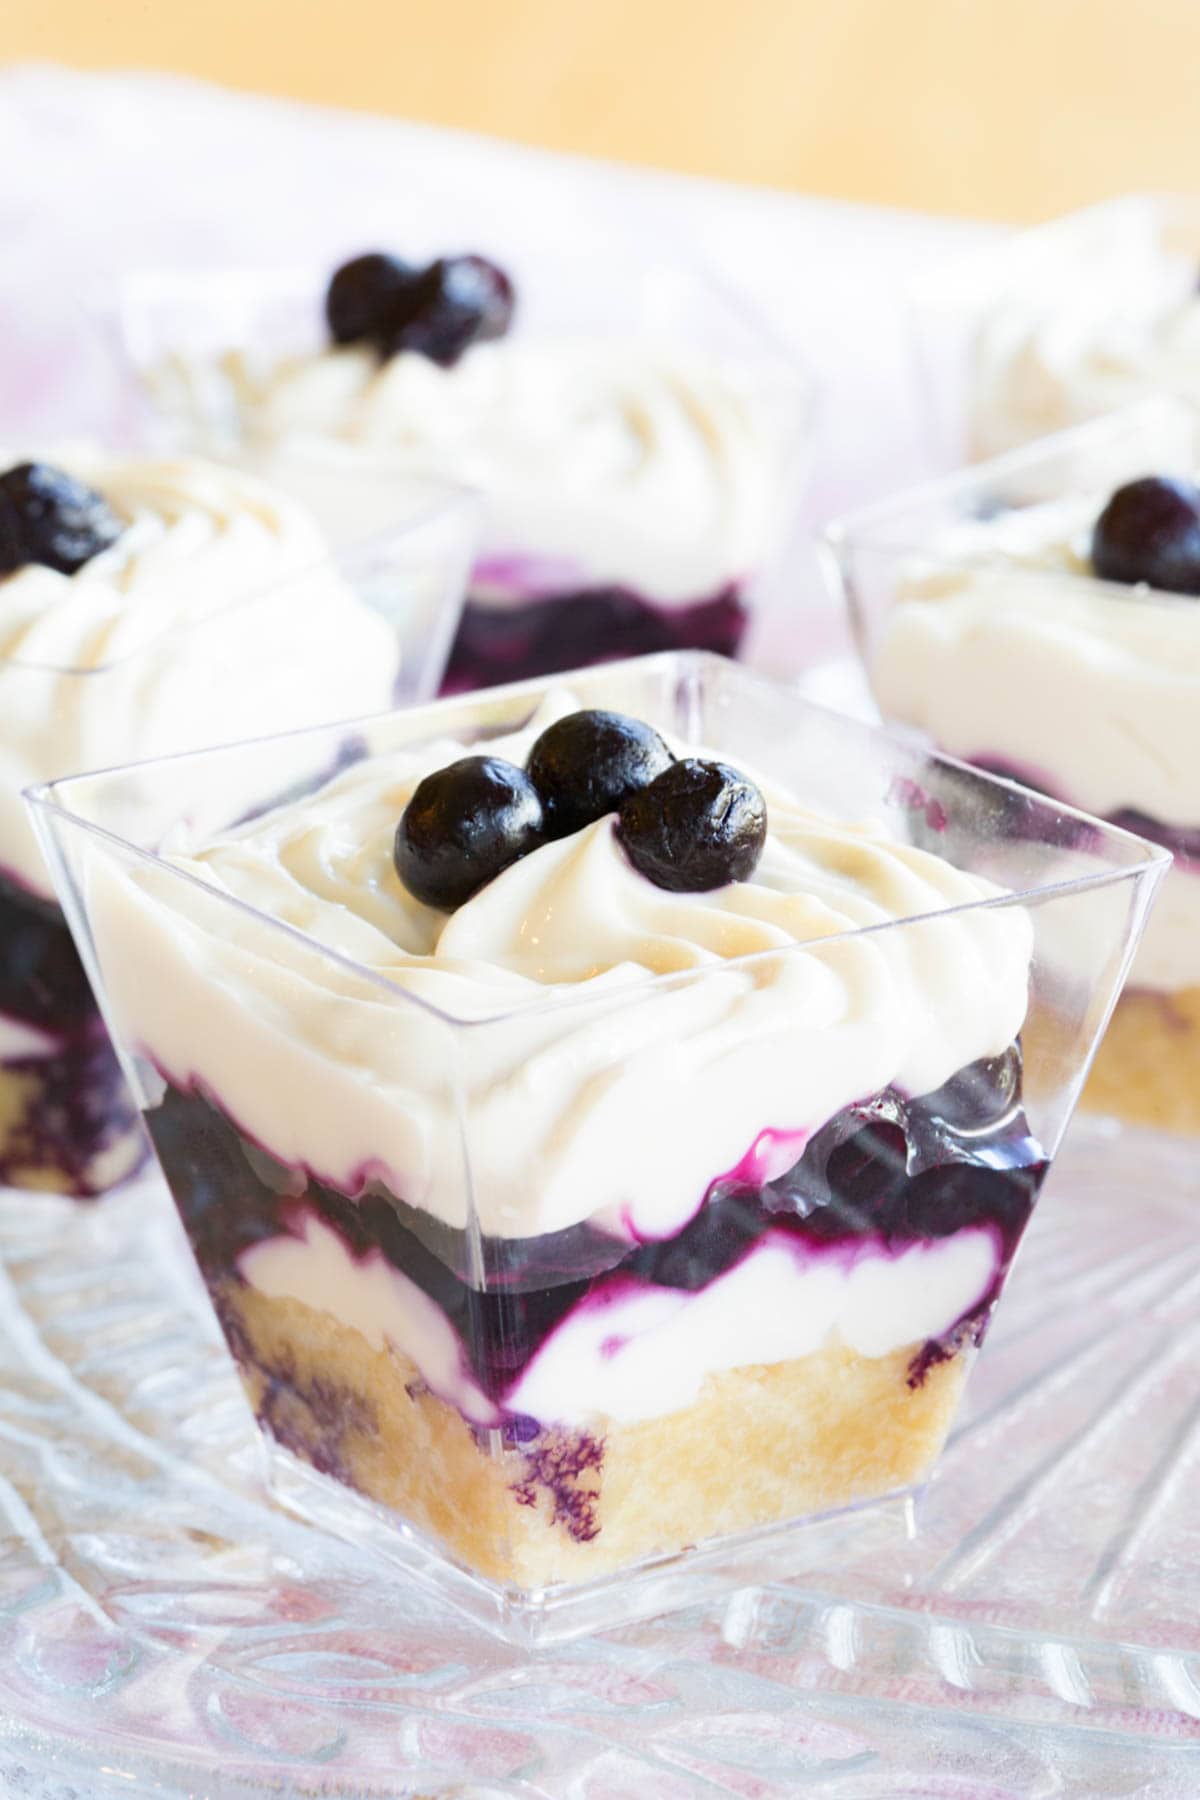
(633, 463)
(152, 644)
(1097, 311)
(569, 1005)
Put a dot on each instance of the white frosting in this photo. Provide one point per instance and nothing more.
(1096, 311)
(331, 1069)
(1002, 645)
(635, 463)
(216, 615)
(636, 1352)
(19, 1041)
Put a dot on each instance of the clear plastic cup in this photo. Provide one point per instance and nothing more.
(578, 1308)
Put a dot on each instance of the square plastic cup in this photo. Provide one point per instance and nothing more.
(67, 1122)
(1061, 324)
(572, 569)
(980, 625)
(581, 1309)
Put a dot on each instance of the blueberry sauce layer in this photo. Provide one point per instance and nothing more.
(77, 1116)
(572, 630)
(890, 1171)
(42, 981)
(1183, 841)
(79, 1131)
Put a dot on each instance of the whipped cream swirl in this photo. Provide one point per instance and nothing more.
(1095, 312)
(217, 614)
(601, 1049)
(635, 463)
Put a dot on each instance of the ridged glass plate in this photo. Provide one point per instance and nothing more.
(164, 1632)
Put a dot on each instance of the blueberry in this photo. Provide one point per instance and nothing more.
(464, 825)
(364, 294)
(590, 763)
(697, 826)
(455, 302)
(46, 516)
(1150, 531)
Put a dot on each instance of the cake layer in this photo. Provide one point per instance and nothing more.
(759, 1445)
(1147, 1069)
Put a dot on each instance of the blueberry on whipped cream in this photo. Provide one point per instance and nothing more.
(686, 826)
(439, 310)
(464, 825)
(590, 763)
(52, 518)
(698, 826)
(1150, 532)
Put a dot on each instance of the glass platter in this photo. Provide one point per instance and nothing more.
(164, 1631)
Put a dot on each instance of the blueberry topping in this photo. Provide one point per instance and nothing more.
(455, 302)
(46, 516)
(364, 294)
(590, 763)
(1150, 531)
(697, 826)
(437, 311)
(464, 825)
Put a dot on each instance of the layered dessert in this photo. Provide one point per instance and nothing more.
(1092, 313)
(591, 1146)
(146, 606)
(633, 485)
(1058, 644)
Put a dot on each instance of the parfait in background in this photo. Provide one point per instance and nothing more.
(640, 461)
(151, 605)
(1040, 618)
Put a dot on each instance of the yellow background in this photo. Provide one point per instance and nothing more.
(1005, 108)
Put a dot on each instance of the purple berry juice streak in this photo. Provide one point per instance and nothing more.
(557, 1468)
(81, 1110)
(891, 1170)
(1183, 841)
(575, 628)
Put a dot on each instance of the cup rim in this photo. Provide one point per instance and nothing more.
(966, 276)
(305, 281)
(866, 528)
(1144, 859)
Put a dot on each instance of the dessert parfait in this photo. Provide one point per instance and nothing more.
(1065, 323)
(638, 463)
(1041, 619)
(148, 605)
(604, 1117)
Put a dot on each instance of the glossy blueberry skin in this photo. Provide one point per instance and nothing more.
(589, 763)
(364, 294)
(48, 517)
(454, 303)
(1150, 532)
(464, 825)
(696, 827)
